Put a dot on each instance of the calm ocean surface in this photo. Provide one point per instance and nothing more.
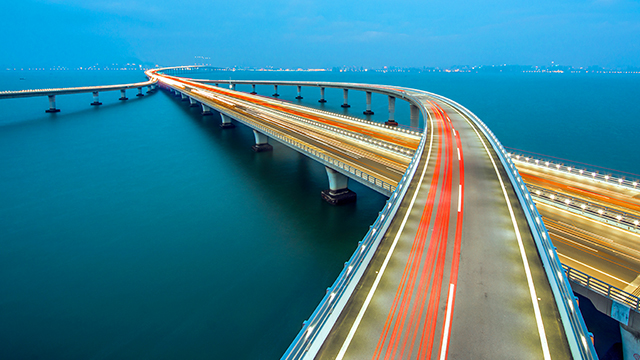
(138, 229)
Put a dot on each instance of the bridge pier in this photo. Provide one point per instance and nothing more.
(206, 110)
(338, 192)
(630, 342)
(123, 94)
(139, 94)
(262, 142)
(275, 88)
(232, 86)
(414, 116)
(183, 97)
(96, 100)
(226, 122)
(299, 97)
(253, 89)
(345, 94)
(322, 100)
(368, 111)
(193, 102)
(52, 105)
(392, 112)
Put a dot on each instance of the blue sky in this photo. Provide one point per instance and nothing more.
(326, 33)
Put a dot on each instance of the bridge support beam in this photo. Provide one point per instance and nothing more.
(345, 94)
(184, 97)
(338, 192)
(322, 100)
(262, 142)
(193, 102)
(139, 94)
(226, 122)
(275, 88)
(630, 342)
(368, 111)
(392, 112)
(414, 116)
(123, 94)
(299, 97)
(253, 89)
(206, 110)
(96, 100)
(52, 105)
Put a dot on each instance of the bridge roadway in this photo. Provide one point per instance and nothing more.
(457, 272)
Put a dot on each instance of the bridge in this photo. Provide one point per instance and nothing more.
(458, 263)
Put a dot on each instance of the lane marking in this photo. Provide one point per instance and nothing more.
(532, 291)
(447, 323)
(459, 197)
(356, 323)
(458, 153)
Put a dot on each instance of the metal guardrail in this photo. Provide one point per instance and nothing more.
(602, 288)
(580, 206)
(573, 323)
(590, 174)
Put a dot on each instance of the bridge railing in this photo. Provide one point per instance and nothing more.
(605, 176)
(602, 288)
(573, 323)
(580, 206)
(317, 327)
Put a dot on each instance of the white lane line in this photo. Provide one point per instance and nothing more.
(459, 197)
(527, 270)
(458, 153)
(447, 323)
(356, 323)
(594, 269)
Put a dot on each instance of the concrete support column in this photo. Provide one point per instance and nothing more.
(149, 88)
(322, 100)
(262, 142)
(139, 94)
(52, 105)
(193, 102)
(414, 116)
(368, 111)
(299, 97)
(275, 88)
(345, 94)
(184, 97)
(96, 100)
(338, 192)
(123, 94)
(392, 112)
(226, 122)
(630, 342)
(253, 89)
(232, 86)
(206, 110)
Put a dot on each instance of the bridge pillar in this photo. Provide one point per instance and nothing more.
(139, 94)
(253, 89)
(184, 97)
(392, 112)
(345, 94)
(226, 122)
(123, 94)
(299, 97)
(52, 105)
(96, 100)
(275, 88)
(630, 342)
(206, 110)
(232, 86)
(262, 142)
(338, 192)
(414, 116)
(368, 111)
(193, 102)
(322, 100)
